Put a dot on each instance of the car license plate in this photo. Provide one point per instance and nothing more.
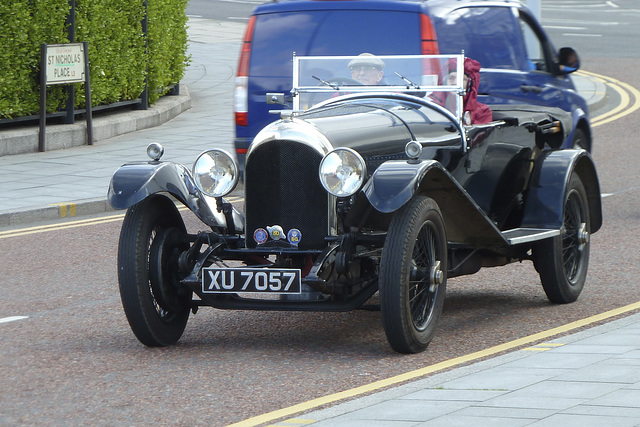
(256, 280)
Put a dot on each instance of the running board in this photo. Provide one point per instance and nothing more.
(518, 236)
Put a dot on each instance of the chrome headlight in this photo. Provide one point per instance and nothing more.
(342, 172)
(155, 151)
(413, 149)
(215, 173)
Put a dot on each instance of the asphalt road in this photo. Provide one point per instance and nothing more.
(595, 28)
(225, 10)
(74, 359)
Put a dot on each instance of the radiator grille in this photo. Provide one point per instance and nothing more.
(282, 188)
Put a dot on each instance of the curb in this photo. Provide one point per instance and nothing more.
(69, 210)
(600, 95)
(594, 87)
(105, 126)
(55, 212)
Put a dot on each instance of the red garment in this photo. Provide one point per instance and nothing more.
(480, 113)
(477, 112)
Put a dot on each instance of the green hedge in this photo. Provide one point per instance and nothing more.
(117, 51)
(23, 27)
(167, 45)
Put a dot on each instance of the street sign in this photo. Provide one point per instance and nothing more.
(65, 63)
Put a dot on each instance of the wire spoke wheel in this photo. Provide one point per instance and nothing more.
(562, 262)
(574, 237)
(422, 288)
(412, 278)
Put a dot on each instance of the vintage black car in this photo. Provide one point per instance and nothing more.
(359, 189)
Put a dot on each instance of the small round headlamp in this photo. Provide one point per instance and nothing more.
(413, 149)
(215, 173)
(155, 151)
(342, 172)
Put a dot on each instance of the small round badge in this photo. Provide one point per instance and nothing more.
(260, 235)
(294, 236)
(276, 232)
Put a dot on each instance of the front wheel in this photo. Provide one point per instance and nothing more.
(152, 237)
(413, 275)
(580, 140)
(562, 262)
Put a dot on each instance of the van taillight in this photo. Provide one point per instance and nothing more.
(241, 91)
(429, 46)
(241, 101)
(429, 40)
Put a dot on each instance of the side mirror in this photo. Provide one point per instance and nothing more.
(568, 60)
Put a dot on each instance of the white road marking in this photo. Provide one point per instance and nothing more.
(578, 22)
(582, 35)
(12, 319)
(558, 27)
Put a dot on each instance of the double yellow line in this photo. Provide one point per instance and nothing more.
(60, 226)
(79, 223)
(626, 105)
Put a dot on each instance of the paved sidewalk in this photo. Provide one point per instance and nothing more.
(591, 378)
(74, 181)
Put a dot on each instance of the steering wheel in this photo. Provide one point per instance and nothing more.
(343, 81)
(339, 81)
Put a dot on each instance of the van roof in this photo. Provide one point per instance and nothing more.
(441, 6)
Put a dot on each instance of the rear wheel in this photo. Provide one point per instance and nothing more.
(562, 262)
(412, 279)
(152, 237)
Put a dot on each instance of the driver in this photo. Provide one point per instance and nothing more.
(367, 69)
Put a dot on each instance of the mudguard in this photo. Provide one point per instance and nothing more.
(134, 182)
(394, 183)
(549, 179)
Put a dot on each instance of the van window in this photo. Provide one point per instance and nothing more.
(489, 35)
(333, 32)
(535, 47)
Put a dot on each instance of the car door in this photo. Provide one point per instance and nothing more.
(518, 62)
(542, 83)
(537, 79)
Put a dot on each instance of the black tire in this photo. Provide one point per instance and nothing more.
(562, 261)
(413, 275)
(145, 270)
(580, 140)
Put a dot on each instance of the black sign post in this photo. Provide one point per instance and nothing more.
(64, 64)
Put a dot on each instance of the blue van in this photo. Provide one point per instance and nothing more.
(519, 63)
